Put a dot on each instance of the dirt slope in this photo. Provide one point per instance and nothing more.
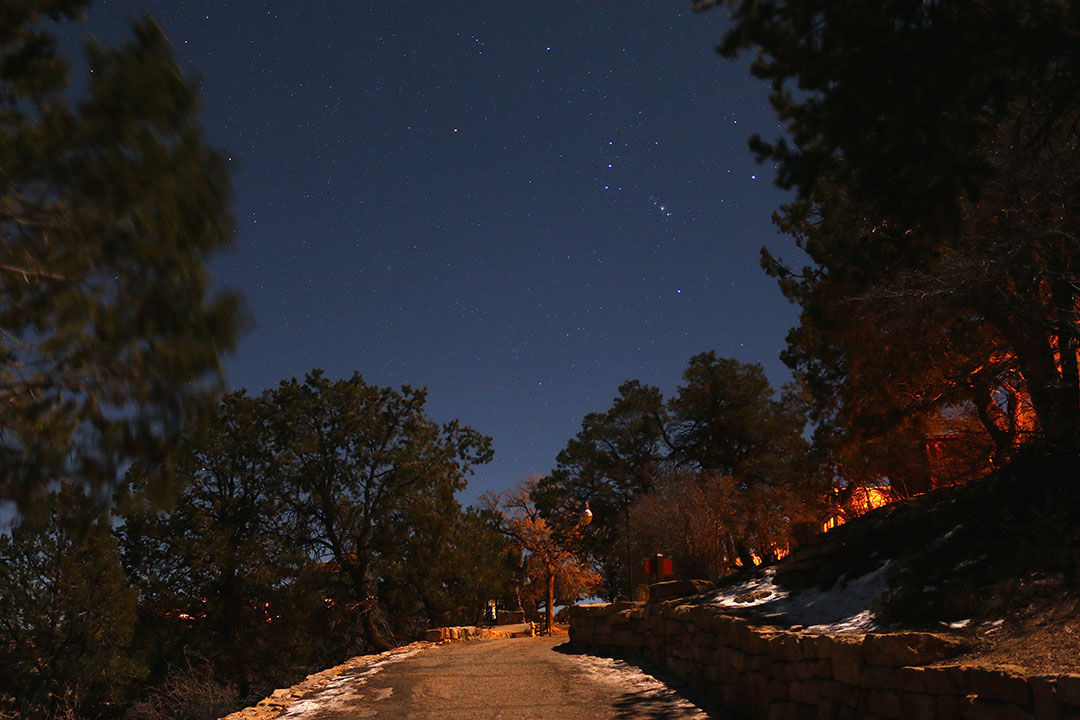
(997, 560)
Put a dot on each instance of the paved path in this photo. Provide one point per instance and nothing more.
(487, 679)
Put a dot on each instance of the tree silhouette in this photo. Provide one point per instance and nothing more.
(67, 613)
(358, 468)
(110, 336)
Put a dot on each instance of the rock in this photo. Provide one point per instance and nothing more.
(909, 648)
(676, 588)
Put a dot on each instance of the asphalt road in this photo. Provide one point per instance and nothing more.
(506, 679)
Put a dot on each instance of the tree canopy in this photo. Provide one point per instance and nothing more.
(67, 613)
(897, 100)
(724, 430)
(110, 334)
(360, 471)
(317, 521)
(934, 149)
(217, 575)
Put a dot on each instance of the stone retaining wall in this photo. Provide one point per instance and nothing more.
(779, 674)
(460, 632)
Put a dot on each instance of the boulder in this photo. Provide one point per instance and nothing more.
(676, 588)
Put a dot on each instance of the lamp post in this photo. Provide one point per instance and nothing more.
(586, 517)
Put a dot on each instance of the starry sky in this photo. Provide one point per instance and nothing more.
(518, 205)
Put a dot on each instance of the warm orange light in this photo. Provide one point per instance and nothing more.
(863, 500)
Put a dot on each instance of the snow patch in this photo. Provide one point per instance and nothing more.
(939, 541)
(625, 679)
(345, 690)
(845, 607)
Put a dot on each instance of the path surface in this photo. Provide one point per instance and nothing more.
(488, 679)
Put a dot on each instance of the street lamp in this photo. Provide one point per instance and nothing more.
(586, 517)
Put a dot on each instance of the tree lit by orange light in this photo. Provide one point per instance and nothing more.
(862, 501)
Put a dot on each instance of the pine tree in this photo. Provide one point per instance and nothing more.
(110, 336)
(358, 468)
(934, 148)
(216, 576)
(66, 613)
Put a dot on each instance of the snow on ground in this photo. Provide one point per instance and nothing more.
(648, 695)
(845, 607)
(344, 690)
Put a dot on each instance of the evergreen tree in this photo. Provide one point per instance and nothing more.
(110, 337)
(616, 457)
(725, 429)
(726, 422)
(66, 614)
(450, 564)
(216, 574)
(934, 148)
(897, 100)
(358, 468)
(726, 419)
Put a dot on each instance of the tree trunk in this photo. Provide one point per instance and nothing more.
(230, 632)
(745, 555)
(992, 419)
(550, 598)
(357, 574)
(371, 631)
(1050, 374)
(1051, 401)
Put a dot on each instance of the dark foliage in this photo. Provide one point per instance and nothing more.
(366, 480)
(999, 538)
(934, 148)
(724, 441)
(897, 100)
(67, 614)
(111, 335)
(216, 574)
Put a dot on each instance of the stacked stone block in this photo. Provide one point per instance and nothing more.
(457, 632)
(778, 674)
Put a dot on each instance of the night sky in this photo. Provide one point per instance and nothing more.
(517, 205)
